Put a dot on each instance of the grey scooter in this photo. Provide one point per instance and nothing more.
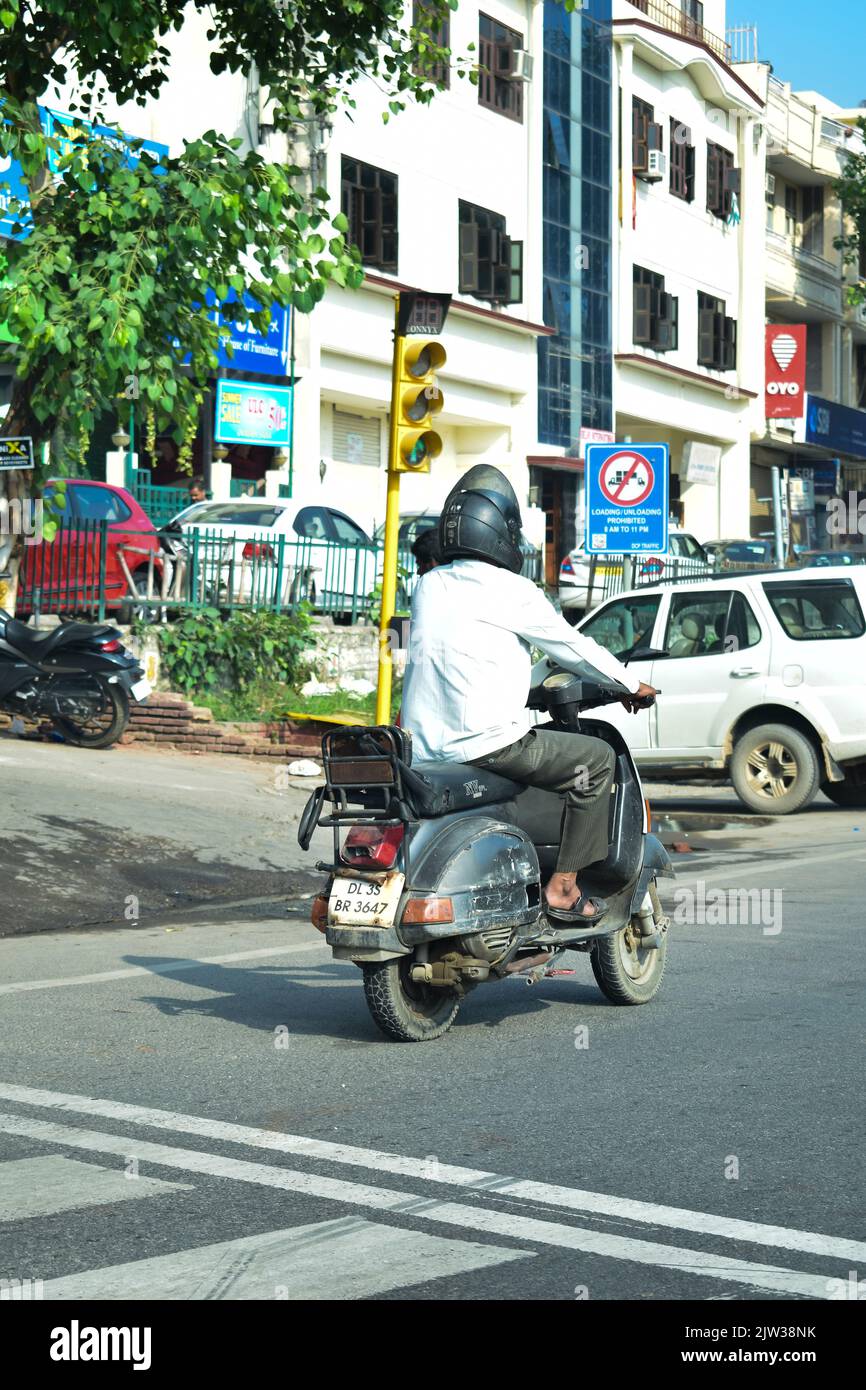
(437, 886)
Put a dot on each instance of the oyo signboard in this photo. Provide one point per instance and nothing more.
(785, 371)
(627, 499)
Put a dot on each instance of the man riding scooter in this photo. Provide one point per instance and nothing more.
(475, 619)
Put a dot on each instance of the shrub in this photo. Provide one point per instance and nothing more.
(206, 654)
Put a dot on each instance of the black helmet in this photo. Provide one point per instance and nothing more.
(481, 520)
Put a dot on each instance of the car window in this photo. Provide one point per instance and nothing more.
(706, 624)
(625, 624)
(99, 504)
(817, 610)
(347, 531)
(747, 552)
(312, 524)
(66, 511)
(230, 514)
(686, 546)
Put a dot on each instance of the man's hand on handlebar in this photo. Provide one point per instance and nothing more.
(642, 699)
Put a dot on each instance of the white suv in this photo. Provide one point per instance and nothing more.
(762, 677)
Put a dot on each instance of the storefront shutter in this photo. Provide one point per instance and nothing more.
(357, 438)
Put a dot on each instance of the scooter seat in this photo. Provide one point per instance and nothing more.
(39, 644)
(461, 786)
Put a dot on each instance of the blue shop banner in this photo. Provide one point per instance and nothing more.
(252, 412)
(837, 427)
(69, 130)
(266, 354)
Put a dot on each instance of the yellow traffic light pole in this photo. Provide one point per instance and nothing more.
(392, 527)
(415, 397)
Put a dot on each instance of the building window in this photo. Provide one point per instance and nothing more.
(814, 358)
(491, 263)
(438, 31)
(792, 211)
(646, 134)
(656, 313)
(813, 220)
(693, 18)
(369, 201)
(717, 335)
(498, 88)
(722, 180)
(682, 180)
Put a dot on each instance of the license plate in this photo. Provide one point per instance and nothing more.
(365, 902)
(141, 689)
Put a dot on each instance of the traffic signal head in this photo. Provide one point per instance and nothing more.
(418, 399)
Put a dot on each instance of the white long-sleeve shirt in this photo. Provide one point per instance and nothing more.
(470, 664)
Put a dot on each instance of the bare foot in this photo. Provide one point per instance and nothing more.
(563, 892)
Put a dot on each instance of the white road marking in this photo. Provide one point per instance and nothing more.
(345, 1259)
(47, 1184)
(471, 1218)
(381, 1161)
(780, 866)
(170, 967)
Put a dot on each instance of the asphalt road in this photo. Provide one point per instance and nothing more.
(200, 1106)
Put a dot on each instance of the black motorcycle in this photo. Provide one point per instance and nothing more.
(437, 885)
(78, 675)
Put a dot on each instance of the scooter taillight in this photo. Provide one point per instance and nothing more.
(111, 646)
(372, 844)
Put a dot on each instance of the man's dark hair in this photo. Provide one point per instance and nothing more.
(426, 548)
(196, 482)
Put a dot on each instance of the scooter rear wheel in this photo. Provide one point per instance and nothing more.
(403, 1008)
(626, 972)
(103, 724)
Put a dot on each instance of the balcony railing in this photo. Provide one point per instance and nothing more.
(679, 21)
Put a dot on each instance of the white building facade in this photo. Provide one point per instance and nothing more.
(689, 233)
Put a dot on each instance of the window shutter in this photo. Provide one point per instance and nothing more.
(690, 172)
(705, 337)
(516, 273)
(640, 138)
(714, 180)
(468, 270)
(643, 332)
(730, 356)
(371, 243)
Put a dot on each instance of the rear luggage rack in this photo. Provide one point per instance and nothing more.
(367, 766)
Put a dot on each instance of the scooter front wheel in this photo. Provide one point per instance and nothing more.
(625, 971)
(403, 1008)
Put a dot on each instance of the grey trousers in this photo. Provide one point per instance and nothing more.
(576, 765)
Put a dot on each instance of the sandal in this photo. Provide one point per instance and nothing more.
(574, 915)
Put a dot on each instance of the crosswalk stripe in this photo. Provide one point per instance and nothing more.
(471, 1219)
(431, 1170)
(47, 1184)
(346, 1259)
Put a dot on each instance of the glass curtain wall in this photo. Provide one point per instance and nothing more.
(575, 365)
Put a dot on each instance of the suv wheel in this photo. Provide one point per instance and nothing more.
(775, 769)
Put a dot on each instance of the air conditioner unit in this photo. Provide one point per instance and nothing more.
(520, 68)
(656, 166)
(770, 187)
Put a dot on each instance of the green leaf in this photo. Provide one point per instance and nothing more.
(340, 223)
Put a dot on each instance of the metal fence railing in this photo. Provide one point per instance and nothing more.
(160, 503)
(99, 568)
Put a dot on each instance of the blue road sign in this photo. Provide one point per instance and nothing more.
(626, 499)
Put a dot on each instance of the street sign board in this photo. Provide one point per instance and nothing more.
(16, 452)
(626, 499)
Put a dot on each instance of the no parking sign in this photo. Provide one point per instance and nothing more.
(626, 499)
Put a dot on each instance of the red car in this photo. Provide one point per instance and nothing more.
(66, 571)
